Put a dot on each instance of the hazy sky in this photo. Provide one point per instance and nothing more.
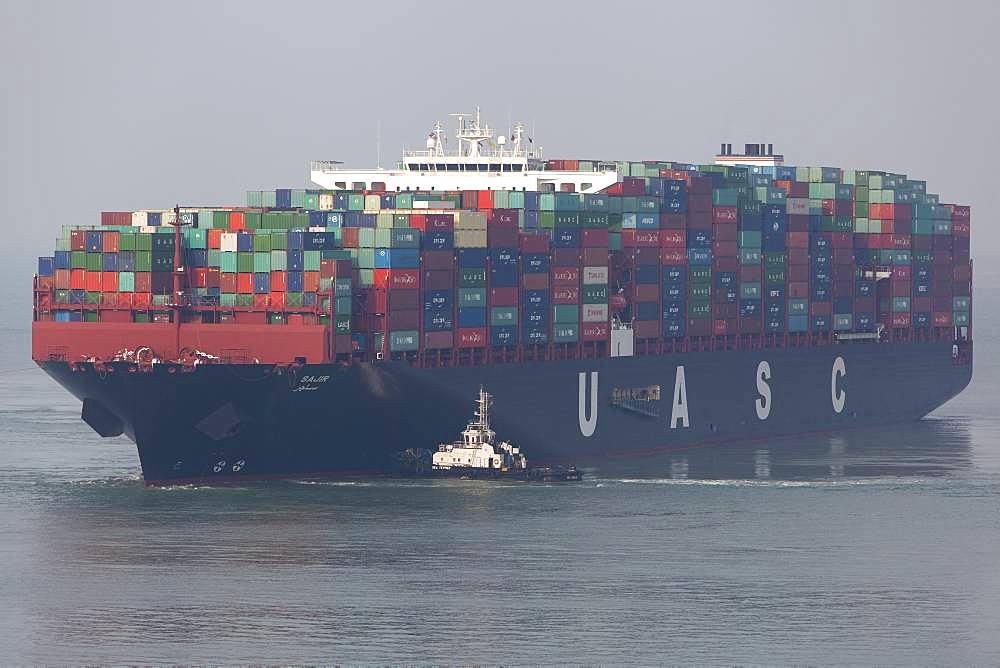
(122, 105)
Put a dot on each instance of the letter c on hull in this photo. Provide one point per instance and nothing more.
(588, 425)
(837, 395)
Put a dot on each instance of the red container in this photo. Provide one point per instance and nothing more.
(594, 331)
(470, 199)
(398, 278)
(535, 281)
(843, 256)
(595, 257)
(503, 296)
(843, 287)
(798, 290)
(142, 300)
(646, 292)
(439, 260)
(645, 255)
(439, 340)
(400, 299)
(673, 221)
(472, 337)
(901, 320)
(214, 239)
(903, 241)
(699, 326)
(942, 318)
(565, 257)
(960, 212)
(144, 281)
(843, 272)
(941, 303)
(722, 233)
(646, 329)
(62, 279)
(244, 283)
(864, 304)
(842, 240)
(198, 277)
(721, 249)
(751, 273)
(261, 301)
(633, 186)
(724, 215)
(533, 243)
(404, 319)
(565, 294)
(921, 304)
(960, 229)
(77, 240)
(962, 273)
(820, 308)
(109, 299)
(502, 218)
(942, 242)
(93, 281)
(595, 238)
(798, 222)
(828, 207)
(124, 300)
(901, 272)
(640, 238)
(726, 263)
(902, 211)
(699, 203)
(227, 283)
(109, 242)
(673, 256)
(922, 242)
(118, 218)
(941, 257)
(725, 310)
(750, 325)
(310, 281)
(237, 221)
(801, 256)
(349, 237)
(439, 221)
(501, 237)
(565, 276)
(277, 300)
(699, 221)
(797, 239)
(484, 200)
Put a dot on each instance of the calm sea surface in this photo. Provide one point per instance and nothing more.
(871, 547)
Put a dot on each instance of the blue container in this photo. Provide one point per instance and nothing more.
(154, 218)
(352, 219)
(921, 271)
(784, 173)
(647, 221)
(109, 261)
(647, 311)
(471, 317)
(244, 242)
(774, 325)
(863, 288)
(530, 220)
(62, 316)
(296, 281)
(397, 258)
(536, 336)
(535, 317)
(387, 201)
(725, 279)
(309, 299)
(566, 237)
(436, 300)
(63, 260)
(126, 260)
(438, 240)
(774, 309)
(261, 283)
(921, 289)
(502, 256)
(819, 323)
(283, 198)
(535, 263)
(674, 274)
(321, 241)
(92, 241)
(773, 243)
(647, 274)
(699, 239)
(699, 256)
(750, 223)
(359, 341)
(295, 260)
(773, 212)
(820, 276)
(775, 292)
(471, 258)
(819, 242)
(369, 220)
(535, 298)
(673, 291)
(922, 320)
(334, 219)
(674, 204)
(674, 328)
(438, 321)
(47, 265)
(819, 292)
(197, 257)
(864, 322)
(317, 219)
(673, 309)
(798, 323)
(503, 276)
(531, 201)
(843, 305)
(77, 296)
(505, 335)
(750, 308)
(295, 239)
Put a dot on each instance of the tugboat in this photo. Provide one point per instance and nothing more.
(478, 455)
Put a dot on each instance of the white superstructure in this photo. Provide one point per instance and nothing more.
(476, 449)
(480, 161)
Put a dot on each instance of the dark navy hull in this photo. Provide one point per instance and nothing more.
(259, 421)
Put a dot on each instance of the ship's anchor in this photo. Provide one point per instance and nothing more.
(219, 467)
(238, 465)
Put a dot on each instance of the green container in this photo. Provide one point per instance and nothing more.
(595, 294)
(701, 308)
(252, 220)
(95, 261)
(750, 256)
(404, 201)
(62, 296)
(749, 239)
(366, 278)
(960, 318)
(244, 262)
(774, 261)
(355, 202)
(565, 313)
(698, 275)
(564, 219)
(78, 259)
(725, 197)
(366, 237)
(126, 241)
(262, 243)
(227, 299)
(244, 300)
(342, 324)
(90, 316)
(900, 304)
(565, 332)
(503, 315)
(310, 260)
(798, 307)
(92, 298)
(262, 263)
(774, 276)
(196, 239)
(472, 278)
(750, 290)
(279, 260)
(143, 261)
(960, 303)
(592, 220)
(404, 341)
(475, 297)
(366, 258)
(383, 219)
(293, 299)
(126, 281)
(342, 305)
(342, 287)
(843, 322)
(401, 220)
(279, 241)
(546, 220)
(700, 290)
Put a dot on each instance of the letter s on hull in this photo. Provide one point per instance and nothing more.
(588, 425)
(837, 395)
(763, 403)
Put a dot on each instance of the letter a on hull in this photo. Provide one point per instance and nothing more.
(588, 424)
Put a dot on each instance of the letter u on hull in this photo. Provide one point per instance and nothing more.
(588, 424)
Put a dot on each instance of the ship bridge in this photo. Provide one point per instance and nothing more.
(480, 160)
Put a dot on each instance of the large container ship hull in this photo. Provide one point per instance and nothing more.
(237, 421)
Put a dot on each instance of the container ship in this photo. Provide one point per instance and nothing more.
(612, 308)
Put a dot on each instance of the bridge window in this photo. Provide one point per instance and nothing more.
(494, 167)
(413, 166)
(424, 167)
(440, 167)
(452, 167)
(518, 167)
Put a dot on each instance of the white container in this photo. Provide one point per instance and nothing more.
(595, 275)
(595, 312)
(228, 242)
